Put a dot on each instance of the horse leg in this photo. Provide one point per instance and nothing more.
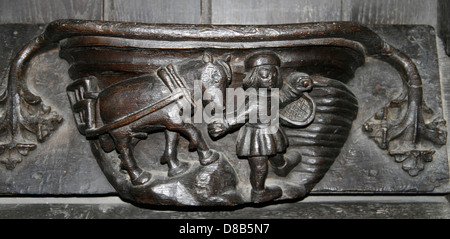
(170, 155)
(206, 155)
(124, 146)
(107, 143)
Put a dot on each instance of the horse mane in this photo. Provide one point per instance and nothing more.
(226, 68)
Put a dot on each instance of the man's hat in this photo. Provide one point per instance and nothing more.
(262, 59)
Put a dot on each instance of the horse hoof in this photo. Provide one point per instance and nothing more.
(181, 168)
(142, 179)
(292, 160)
(268, 194)
(214, 156)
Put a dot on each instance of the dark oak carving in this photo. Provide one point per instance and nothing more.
(134, 82)
(26, 120)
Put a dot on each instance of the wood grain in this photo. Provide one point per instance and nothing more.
(155, 11)
(444, 23)
(275, 12)
(390, 11)
(444, 67)
(44, 11)
(341, 208)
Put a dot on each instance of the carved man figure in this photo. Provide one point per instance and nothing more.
(258, 141)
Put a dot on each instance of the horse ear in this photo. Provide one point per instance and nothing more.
(207, 58)
(226, 57)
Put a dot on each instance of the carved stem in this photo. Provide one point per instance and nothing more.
(18, 94)
(16, 84)
(411, 78)
(414, 114)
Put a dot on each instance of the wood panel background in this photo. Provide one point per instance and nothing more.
(223, 11)
(275, 12)
(163, 11)
(44, 11)
(444, 23)
(230, 11)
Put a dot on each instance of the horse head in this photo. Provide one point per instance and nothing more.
(215, 77)
(208, 78)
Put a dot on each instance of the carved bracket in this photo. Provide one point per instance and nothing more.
(146, 85)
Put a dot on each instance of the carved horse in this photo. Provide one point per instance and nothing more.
(214, 75)
(132, 95)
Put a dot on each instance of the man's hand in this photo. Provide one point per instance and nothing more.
(217, 128)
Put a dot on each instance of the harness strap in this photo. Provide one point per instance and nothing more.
(136, 115)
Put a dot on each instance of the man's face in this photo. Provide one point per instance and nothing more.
(267, 76)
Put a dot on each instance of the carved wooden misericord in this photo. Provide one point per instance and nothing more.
(204, 88)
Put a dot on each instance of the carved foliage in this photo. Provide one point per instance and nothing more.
(400, 130)
(26, 122)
